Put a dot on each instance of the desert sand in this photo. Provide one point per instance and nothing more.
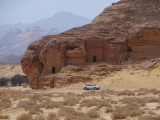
(72, 102)
(127, 78)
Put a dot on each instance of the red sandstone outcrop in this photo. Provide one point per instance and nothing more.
(127, 30)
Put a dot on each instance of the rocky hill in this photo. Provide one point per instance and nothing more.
(127, 31)
(16, 41)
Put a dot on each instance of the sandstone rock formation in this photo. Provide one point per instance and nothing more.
(126, 31)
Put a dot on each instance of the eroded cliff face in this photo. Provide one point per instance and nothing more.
(126, 31)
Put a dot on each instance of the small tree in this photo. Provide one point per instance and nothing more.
(4, 81)
(19, 79)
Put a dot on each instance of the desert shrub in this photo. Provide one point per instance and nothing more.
(70, 113)
(50, 104)
(154, 91)
(111, 92)
(126, 92)
(151, 112)
(4, 117)
(84, 117)
(26, 104)
(34, 110)
(93, 114)
(19, 79)
(64, 111)
(5, 103)
(4, 81)
(140, 93)
(150, 99)
(109, 109)
(71, 101)
(36, 97)
(104, 103)
(144, 90)
(89, 102)
(24, 117)
(77, 117)
(52, 116)
(140, 101)
(131, 100)
(103, 119)
(123, 112)
(71, 117)
(39, 117)
(149, 117)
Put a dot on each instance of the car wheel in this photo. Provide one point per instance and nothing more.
(85, 88)
(95, 88)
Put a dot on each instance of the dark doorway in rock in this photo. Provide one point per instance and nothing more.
(53, 70)
(94, 58)
(129, 49)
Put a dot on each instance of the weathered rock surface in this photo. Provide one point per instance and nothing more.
(126, 31)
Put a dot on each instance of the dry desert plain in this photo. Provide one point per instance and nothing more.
(127, 94)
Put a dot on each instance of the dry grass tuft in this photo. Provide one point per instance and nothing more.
(154, 91)
(71, 114)
(39, 117)
(50, 104)
(34, 110)
(26, 104)
(89, 102)
(24, 117)
(123, 112)
(36, 97)
(93, 114)
(52, 116)
(149, 117)
(109, 109)
(104, 103)
(144, 90)
(71, 101)
(4, 117)
(126, 92)
(64, 111)
(151, 112)
(140, 101)
(5, 102)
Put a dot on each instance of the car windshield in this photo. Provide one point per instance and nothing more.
(90, 85)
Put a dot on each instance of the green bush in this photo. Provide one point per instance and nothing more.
(19, 79)
(4, 81)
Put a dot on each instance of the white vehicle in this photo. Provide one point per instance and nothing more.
(91, 87)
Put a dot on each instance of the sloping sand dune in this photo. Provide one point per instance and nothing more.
(132, 79)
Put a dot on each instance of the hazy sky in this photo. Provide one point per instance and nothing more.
(25, 11)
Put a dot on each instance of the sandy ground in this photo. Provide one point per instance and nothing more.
(128, 78)
(132, 79)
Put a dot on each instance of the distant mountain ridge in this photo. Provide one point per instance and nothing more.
(62, 21)
(16, 41)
